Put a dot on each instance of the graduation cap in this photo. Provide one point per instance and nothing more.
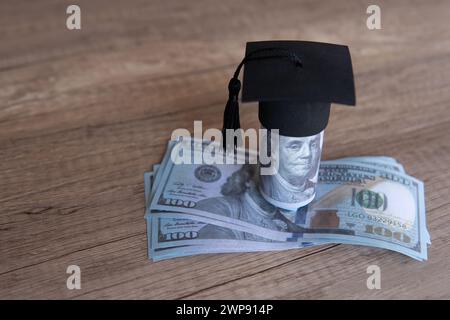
(294, 82)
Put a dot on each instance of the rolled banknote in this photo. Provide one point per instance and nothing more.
(293, 185)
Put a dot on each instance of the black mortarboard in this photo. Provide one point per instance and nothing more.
(295, 83)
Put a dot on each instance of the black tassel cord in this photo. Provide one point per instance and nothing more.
(231, 114)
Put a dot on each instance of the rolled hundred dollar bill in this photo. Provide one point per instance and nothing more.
(293, 184)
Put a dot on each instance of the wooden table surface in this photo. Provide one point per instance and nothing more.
(84, 113)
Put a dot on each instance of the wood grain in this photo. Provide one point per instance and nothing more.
(84, 113)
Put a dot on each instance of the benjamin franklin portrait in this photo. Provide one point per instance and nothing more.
(298, 160)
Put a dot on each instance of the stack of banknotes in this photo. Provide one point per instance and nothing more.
(202, 208)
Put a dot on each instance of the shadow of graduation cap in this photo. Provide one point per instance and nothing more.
(294, 82)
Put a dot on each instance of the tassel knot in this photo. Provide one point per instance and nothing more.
(234, 86)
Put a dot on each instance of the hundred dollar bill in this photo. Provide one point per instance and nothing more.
(355, 203)
(170, 227)
(172, 235)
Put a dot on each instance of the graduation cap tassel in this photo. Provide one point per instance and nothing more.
(231, 114)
